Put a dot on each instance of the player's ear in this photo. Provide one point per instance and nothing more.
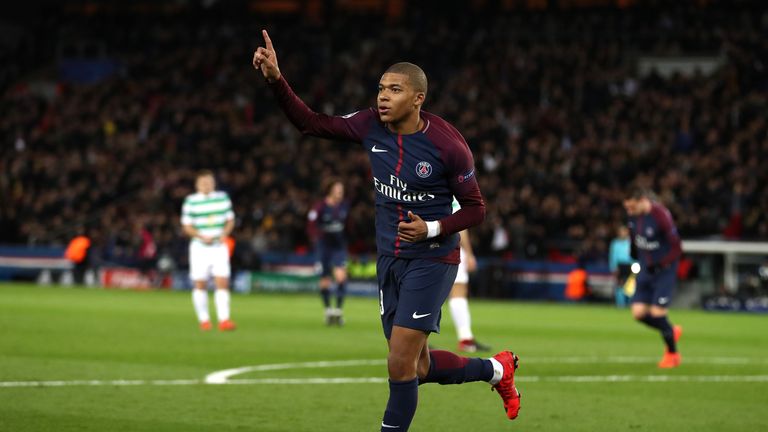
(419, 99)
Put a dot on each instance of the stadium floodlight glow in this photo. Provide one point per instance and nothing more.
(635, 268)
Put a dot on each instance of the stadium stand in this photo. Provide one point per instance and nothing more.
(106, 128)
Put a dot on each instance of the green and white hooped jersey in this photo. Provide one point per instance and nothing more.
(455, 204)
(207, 213)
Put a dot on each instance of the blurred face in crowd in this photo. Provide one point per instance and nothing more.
(336, 194)
(637, 206)
(205, 184)
(397, 99)
(622, 232)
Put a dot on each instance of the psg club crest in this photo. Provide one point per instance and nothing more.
(423, 169)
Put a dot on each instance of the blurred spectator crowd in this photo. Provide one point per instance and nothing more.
(559, 119)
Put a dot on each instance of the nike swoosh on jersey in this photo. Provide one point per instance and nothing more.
(417, 316)
(388, 426)
(378, 150)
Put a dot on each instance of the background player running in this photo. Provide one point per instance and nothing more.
(418, 162)
(656, 246)
(326, 224)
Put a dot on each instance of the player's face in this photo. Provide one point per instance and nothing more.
(397, 99)
(205, 184)
(337, 192)
(634, 206)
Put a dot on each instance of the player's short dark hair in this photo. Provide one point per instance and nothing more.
(639, 192)
(328, 184)
(204, 173)
(416, 76)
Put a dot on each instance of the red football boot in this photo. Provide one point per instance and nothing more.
(670, 360)
(506, 387)
(227, 325)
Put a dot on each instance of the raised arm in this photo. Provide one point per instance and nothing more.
(351, 127)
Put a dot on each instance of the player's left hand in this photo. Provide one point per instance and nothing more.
(413, 231)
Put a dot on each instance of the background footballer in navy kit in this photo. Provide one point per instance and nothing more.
(326, 225)
(419, 163)
(331, 246)
(656, 245)
(656, 283)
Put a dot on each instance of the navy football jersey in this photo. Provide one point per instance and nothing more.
(654, 237)
(327, 223)
(419, 172)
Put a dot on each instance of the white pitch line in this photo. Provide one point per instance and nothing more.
(93, 383)
(343, 380)
(381, 380)
(561, 379)
(221, 377)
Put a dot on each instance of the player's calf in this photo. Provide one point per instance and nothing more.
(446, 367)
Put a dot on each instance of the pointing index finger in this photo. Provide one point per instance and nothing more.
(267, 40)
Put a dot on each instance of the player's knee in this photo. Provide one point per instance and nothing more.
(401, 367)
(340, 273)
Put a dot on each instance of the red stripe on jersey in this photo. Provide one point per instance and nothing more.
(397, 173)
(400, 154)
(397, 236)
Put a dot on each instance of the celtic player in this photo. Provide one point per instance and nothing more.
(207, 219)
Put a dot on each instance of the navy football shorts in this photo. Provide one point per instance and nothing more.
(412, 291)
(657, 288)
(331, 258)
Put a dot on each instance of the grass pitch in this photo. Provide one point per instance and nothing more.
(74, 359)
